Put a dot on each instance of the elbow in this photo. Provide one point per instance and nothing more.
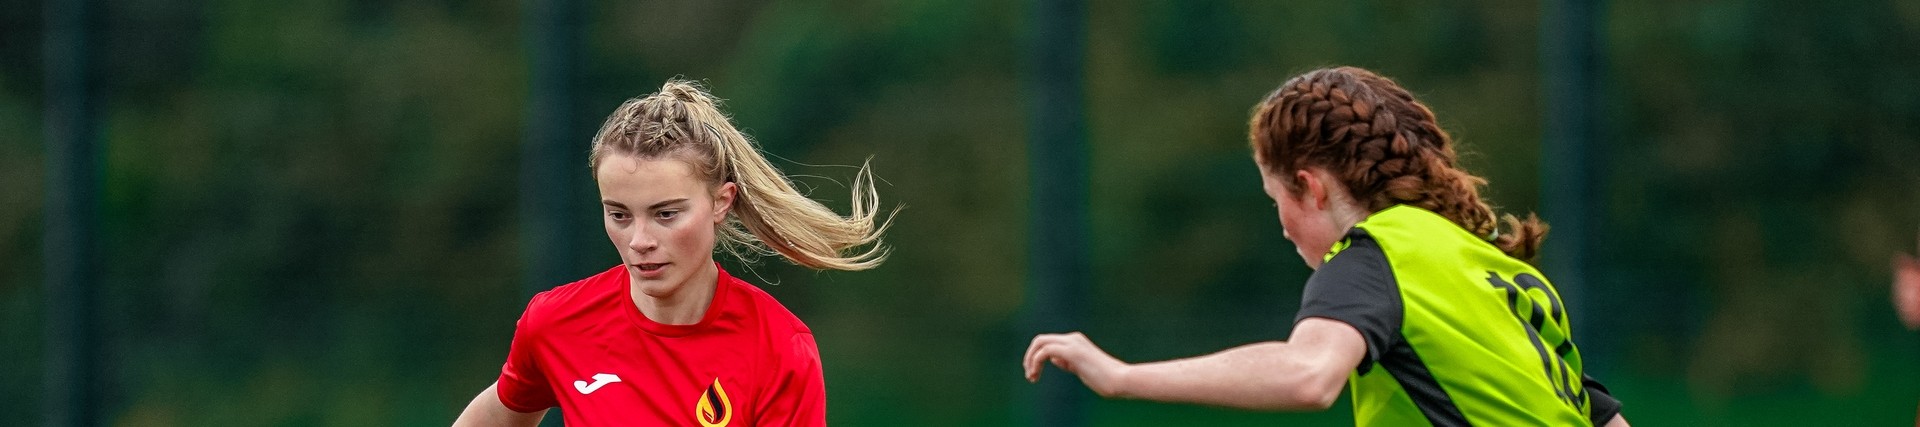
(1318, 397)
(1314, 392)
(1284, 396)
(1298, 398)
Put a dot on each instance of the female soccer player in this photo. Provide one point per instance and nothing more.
(667, 337)
(1418, 302)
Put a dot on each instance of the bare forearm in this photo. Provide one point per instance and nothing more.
(1306, 372)
(1262, 376)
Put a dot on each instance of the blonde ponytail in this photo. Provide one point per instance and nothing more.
(769, 215)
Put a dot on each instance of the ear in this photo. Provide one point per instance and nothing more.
(723, 197)
(1313, 189)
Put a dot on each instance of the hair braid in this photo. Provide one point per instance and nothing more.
(1384, 146)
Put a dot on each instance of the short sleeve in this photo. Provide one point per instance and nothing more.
(797, 396)
(523, 386)
(1356, 287)
(1602, 406)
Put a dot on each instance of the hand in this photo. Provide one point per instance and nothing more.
(1906, 289)
(1074, 353)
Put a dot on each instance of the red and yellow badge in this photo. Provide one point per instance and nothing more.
(714, 409)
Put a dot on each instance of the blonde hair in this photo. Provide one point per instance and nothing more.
(769, 216)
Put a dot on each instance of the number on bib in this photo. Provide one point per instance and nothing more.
(1539, 311)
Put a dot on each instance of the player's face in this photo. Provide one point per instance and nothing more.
(1303, 222)
(662, 218)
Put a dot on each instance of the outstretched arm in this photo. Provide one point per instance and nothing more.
(487, 411)
(1306, 372)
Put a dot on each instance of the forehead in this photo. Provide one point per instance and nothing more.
(633, 180)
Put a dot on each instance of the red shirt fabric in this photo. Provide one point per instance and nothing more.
(585, 348)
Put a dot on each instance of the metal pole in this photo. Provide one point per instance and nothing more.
(1570, 160)
(1057, 250)
(552, 156)
(73, 187)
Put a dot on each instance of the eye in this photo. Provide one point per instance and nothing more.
(617, 215)
(665, 215)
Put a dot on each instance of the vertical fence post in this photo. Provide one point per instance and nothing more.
(552, 157)
(72, 216)
(1570, 159)
(1057, 156)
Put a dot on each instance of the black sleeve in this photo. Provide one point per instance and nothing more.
(1602, 407)
(1356, 287)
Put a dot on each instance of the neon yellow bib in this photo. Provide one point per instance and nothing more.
(1483, 338)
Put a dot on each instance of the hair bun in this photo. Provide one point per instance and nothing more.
(684, 90)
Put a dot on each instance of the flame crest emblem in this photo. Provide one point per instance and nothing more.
(714, 408)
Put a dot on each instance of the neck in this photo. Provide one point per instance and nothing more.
(1345, 213)
(685, 304)
(1346, 220)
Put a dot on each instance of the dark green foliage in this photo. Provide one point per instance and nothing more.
(311, 220)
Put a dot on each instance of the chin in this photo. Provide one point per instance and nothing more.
(1312, 262)
(657, 288)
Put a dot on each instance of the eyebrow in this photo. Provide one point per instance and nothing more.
(665, 203)
(655, 205)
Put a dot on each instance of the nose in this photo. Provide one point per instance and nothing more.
(641, 241)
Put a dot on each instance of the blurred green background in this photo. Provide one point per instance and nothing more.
(309, 208)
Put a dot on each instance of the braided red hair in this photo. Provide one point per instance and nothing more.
(1384, 146)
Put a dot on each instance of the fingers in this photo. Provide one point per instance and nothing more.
(1028, 364)
(1048, 348)
(1042, 349)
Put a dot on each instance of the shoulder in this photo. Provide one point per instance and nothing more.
(783, 335)
(1416, 237)
(1358, 258)
(565, 301)
(1356, 286)
(764, 309)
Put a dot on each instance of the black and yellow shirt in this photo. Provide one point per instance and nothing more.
(1457, 332)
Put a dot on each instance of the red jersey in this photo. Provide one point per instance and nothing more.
(586, 348)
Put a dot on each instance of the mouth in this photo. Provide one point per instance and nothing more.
(649, 268)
